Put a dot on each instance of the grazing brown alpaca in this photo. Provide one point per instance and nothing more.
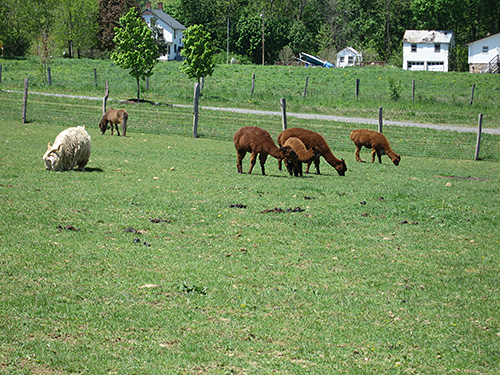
(377, 142)
(258, 141)
(305, 155)
(115, 117)
(312, 139)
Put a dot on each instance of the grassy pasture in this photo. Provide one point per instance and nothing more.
(387, 270)
(439, 97)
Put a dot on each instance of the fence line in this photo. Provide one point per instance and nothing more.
(220, 123)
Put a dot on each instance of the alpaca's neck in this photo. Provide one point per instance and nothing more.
(331, 159)
(276, 152)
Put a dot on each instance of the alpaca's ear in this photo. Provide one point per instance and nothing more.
(48, 145)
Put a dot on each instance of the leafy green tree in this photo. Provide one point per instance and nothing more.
(76, 25)
(198, 53)
(135, 47)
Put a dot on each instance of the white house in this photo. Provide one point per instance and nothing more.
(484, 55)
(172, 30)
(348, 57)
(427, 50)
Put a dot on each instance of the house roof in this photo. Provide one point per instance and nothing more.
(481, 39)
(428, 36)
(168, 19)
(349, 50)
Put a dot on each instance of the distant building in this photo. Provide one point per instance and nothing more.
(427, 50)
(172, 30)
(484, 54)
(348, 57)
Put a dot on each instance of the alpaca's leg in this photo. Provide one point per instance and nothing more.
(253, 160)
(379, 154)
(358, 149)
(240, 155)
(308, 165)
(117, 129)
(373, 154)
(262, 159)
(316, 164)
(279, 164)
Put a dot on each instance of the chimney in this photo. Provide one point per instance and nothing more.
(148, 4)
(160, 6)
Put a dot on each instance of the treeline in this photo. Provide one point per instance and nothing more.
(322, 27)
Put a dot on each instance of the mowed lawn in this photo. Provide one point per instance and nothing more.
(162, 259)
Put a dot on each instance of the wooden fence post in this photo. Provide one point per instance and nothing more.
(305, 88)
(479, 131)
(283, 113)
(380, 119)
(0, 73)
(95, 78)
(413, 89)
(357, 87)
(49, 75)
(472, 94)
(253, 83)
(105, 99)
(25, 99)
(195, 109)
(147, 83)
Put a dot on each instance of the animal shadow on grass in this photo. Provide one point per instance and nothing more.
(93, 169)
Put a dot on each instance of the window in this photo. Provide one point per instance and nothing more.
(413, 47)
(485, 49)
(341, 59)
(437, 47)
(350, 59)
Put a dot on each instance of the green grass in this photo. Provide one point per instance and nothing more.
(388, 270)
(439, 97)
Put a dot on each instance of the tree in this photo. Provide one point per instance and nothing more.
(198, 53)
(76, 25)
(110, 12)
(135, 47)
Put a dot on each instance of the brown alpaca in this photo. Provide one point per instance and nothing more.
(258, 141)
(312, 139)
(305, 155)
(115, 117)
(377, 142)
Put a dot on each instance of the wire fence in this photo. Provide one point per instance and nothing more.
(178, 120)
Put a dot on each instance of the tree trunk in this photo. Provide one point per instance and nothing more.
(138, 89)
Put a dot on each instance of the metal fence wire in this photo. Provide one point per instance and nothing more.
(221, 125)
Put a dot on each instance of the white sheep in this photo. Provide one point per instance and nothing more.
(71, 148)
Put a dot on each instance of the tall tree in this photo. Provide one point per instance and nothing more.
(198, 53)
(110, 12)
(136, 49)
(75, 28)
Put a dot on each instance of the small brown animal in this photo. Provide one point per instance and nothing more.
(115, 117)
(377, 142)
(313, 139)
(258, 141)
(305, 155)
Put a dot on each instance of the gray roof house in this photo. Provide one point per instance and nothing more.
(427, 50)
(172, 30)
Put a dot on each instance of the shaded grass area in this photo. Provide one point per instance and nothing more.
(387, 270)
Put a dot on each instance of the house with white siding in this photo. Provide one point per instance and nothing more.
(484, 54)
(427, 50)
(348, 57)
(172, 30)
